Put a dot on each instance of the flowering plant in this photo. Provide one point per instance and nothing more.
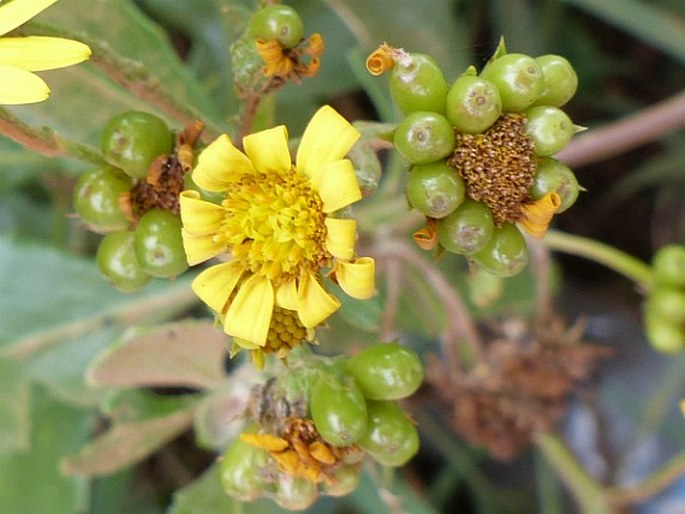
(301, 256)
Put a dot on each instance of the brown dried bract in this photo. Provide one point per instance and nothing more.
(521, 386)
(498, 166)
(165, 180)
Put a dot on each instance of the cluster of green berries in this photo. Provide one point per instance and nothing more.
(350, 403)
(141, 240)
(664, 309)
(481, 148)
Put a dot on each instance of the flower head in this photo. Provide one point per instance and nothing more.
(277, 224)
(21, 56)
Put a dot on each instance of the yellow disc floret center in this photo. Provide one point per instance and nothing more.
(275, 225)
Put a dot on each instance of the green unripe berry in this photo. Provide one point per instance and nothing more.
(669, 265)
(554, 176)
(386, 371)
(117, 261)
(560, 80)
(506, 254)
(391, 438)
(345, 481)
(473, 104)
(241, 471)
(664, 336)
(418, 84)
(338, 410)
(159, 245)
(424, 137)
(435, 189)
(518, 78)
(668, 302)
(467, 229)
(133, 140)
(96, 199)
(295, 493)
(279, 22)
(549, 128)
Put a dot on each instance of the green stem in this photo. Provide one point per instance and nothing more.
(656, 483)
(611, 257)
(586, 490)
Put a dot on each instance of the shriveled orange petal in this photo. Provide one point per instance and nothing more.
(268, 442)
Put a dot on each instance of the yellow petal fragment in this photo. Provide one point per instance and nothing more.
(249, 314)
(538, 215)
(268, 149)
(327, 138)
(286, 296)
(13, 14)
(340, 237)
(198, 216)
(19, 87)
(338, 186)
(36, 53)
(357, 278)
(268, 442)
(321, 452)
(200, 248)
(315, 304)
(220, 164)
(215, 285)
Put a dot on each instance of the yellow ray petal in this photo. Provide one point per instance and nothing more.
(249, 314)
(315, 304)
(220, 164)
(338, 186)
(36, 53)
(200, 248)
(13, 14)
(215, 285)
(357, 278)
(199, 216)
(340, 237)
(21, 87)
(268, 149)
(327, 138)
(286, 296)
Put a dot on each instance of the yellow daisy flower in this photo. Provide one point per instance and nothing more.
(20, 56)
(277, 224)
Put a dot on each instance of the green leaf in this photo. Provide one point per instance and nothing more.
(53, 296)
(30, 481)
(128, 48)
(653, 24)
(125, 444)
(192, 353)
(135, 405)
